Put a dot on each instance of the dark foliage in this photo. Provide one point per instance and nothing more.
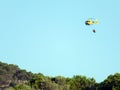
(13, 75)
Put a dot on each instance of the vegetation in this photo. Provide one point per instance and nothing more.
(14, 78)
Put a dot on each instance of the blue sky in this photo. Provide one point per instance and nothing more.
(50, 37)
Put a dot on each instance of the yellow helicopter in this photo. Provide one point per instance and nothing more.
(91, 21)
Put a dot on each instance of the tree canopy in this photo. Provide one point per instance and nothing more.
(15, 77)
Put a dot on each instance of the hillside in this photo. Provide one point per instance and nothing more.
(13, 74)
(14, 78)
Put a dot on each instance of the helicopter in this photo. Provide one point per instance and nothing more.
(91, 21)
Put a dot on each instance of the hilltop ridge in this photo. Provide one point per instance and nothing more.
(14, 78)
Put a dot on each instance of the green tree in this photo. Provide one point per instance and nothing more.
(112, 82)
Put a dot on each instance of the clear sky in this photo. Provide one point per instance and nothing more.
(50, 37)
